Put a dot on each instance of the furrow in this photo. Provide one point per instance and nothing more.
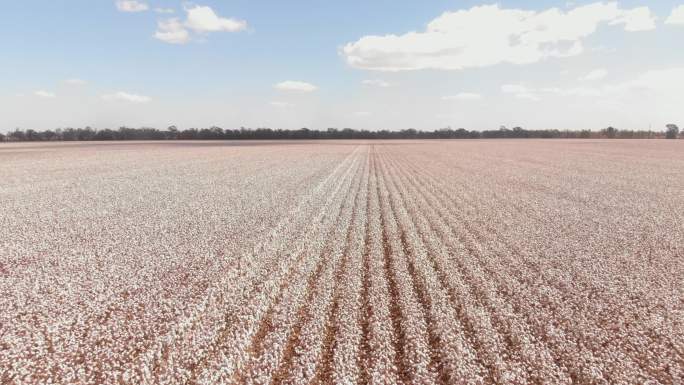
(420, 369)
(223, 263)
(490, 325)
(567, 351)
(303, 364)
(345, 363)
(573, 286)
(364, 312)
(455, 352)
(284, 325)
(192, 339)
(229, 350)
(383, 358)
(516, 330)
(579, 323)
(284, 320)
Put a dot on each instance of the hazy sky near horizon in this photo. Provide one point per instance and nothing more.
(363, 64)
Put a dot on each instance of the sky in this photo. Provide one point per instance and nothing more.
(362, 64)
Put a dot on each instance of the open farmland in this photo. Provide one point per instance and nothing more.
(423, 262)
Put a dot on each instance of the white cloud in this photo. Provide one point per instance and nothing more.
(199, 19)
(131, 6)
(204, 19)
(45, 94)
(676, 16)
(596, 74)
(376, 83)
(523, 92)
(463, 96)
(165, 10)
(75, 82)
(528, 96)
(603, 48)
(292, 85)
(662, 84)
(520, 92)
(574, 91)
(488, 35)
(172, 31)
(281, 104)
(126, 97)
(513, 88)
(636, 19)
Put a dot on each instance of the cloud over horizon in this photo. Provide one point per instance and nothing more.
(466, 39)
(376, 83)
(75, 82)
(463, 96)
(295, 86)
(45, 94)
(661, 84)
(596, 74)
(126, 97)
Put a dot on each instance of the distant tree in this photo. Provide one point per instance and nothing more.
(48, 135)
(624, 134)
(172, 133)
(610, 132)
(69, 134)
(17, 135)
(105, 134)
(445, 133)
(519, 132)
(672, 131)
(410, 133)
(32, 135)
(87, 133)
(245, 133)
(188, 134)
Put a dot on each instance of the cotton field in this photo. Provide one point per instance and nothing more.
(349, 262)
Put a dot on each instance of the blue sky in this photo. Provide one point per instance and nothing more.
(359, 64)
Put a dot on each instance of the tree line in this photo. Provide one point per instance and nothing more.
(218, 133)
